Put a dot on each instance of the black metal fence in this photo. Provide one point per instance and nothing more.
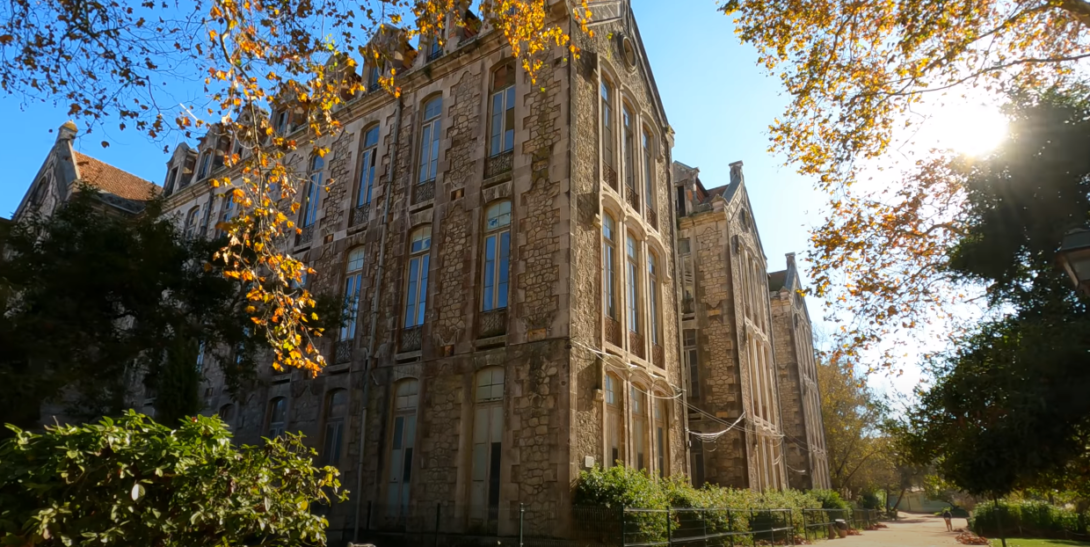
(442, 525)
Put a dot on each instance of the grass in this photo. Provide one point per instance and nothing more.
(1021, 542)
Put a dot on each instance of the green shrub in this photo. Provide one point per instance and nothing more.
(1027, 519)
(830, 499)
(135, 482)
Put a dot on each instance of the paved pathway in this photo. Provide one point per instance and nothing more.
(909, 531)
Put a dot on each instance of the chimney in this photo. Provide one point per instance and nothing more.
(790, 260)
(67, 132)
(736, 173)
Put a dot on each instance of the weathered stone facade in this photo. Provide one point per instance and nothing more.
(800, 399)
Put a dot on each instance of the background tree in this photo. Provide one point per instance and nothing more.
(855, 72)
(860, 454)
(1008, 407)
(114, 61)
(135, 482)
(92, 299)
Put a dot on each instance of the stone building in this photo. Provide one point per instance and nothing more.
(749, 358)
(506, 254)
(524, 291)
(807, 462)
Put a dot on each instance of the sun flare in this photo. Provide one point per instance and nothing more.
(970, 129)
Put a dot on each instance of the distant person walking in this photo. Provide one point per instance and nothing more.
(947, 516)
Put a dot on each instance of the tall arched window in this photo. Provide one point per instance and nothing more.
(609, 162)
(310, 199)
(416, 293)
(497, 243)
(628, 147)
(487, 445)
(613, 421)
(336, 408)
(191, 222)
(429, 139)
(353, 278)
(277, 420)
(639, 426)
(653, 305)
(609, 279)
(227, 413)
(401, 447)
(203, 166)
(635, 339)
(660, 434)
(649, 180)
(501, 134)
(367, 173)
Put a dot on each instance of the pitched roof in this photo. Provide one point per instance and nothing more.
(112, 180)
(777, 280)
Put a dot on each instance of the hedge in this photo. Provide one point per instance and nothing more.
(622, 487)
(1029, 519)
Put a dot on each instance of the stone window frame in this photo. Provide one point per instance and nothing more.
(610, 267)
(424, 266)
(226, 413)
(312, 196)
(613, 416)
(639, 426)
(647, 169)
(364, 193)
(354, 265)
(404, 406)
(660, 417)
(630, 121)
(486, 458)
(189, 228)
(204, 165)
(633, 274)
(509, 109)
(607, 155)
(654, 298)
(332, 455)
(276, 428)
(434, 125)
(496, 232)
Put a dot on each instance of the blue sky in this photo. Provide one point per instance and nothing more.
(718, 101)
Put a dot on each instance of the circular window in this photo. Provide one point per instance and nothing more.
(629, 51)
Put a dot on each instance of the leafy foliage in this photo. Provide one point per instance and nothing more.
(1008, 407)
(90, 297)
(135, 482)
(109, 60)
(855, 72)
(1028, 519)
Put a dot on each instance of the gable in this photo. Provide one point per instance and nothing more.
(622, 48)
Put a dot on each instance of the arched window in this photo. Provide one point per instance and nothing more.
(487, 444)
(429, 139)
(660, 435)
(169, 188)
(416, 294)
(613, 421)
(653, 305)
(367, 173)
(635, 328)
(609, 162)
(277, 416)
(310, 199)
(649, 179)
(401, 447)
(501, 133)
(639, 425)
(336, 408)
(373, 74)
(203, 165)
(191, 222)
(227, 413)
(353, 278)
(497, 243)
(628, 144)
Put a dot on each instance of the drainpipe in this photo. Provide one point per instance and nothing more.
(376, 293)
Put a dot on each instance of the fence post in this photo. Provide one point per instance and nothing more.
(522, 517)
(623, 542)
(791, 525)
(805, 527)
(730, 526)
(669, 534)
(772, 526)
(438, 506)
(704, 524)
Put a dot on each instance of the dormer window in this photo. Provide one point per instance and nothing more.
(435, 49)
(171, 180)
(203, 166)
(373, 74)
(282, 122)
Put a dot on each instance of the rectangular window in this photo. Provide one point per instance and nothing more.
(310, 200)
(609, 267)
(336, 408)
(502, 115)
(206, 161)
(429, 139)
(351, 304)
(660, 437)
(367, 174)
(629, 146)
(607, 127)
(639, 427)
(680, 201)
(282, 122)
(278, 410)
(487, 446)
(416, 295)
(633, 286)
(200, 357)
(692, 362)
(653, 286)
(401, 463)
(613, 422)
(648, 179)
(698, 463)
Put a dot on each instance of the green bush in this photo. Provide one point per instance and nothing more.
(1027, 519)
(726, 509)
(135, 482)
